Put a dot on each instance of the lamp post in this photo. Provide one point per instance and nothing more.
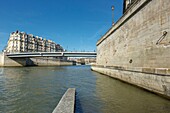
(112, 15)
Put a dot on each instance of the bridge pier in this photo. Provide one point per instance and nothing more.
(6, 61)
(40, 58)
(1, 59)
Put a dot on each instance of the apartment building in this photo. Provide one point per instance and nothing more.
(23, 42)
(127, 4)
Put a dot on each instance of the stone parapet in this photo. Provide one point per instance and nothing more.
(67, 102)
(135, 8)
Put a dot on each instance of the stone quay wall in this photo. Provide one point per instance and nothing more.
(9, 62)
(132, 41)
(137, 47)
(49, 62)
(159, 84)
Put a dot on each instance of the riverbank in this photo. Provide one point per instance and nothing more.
(156, 83)
(38, 61)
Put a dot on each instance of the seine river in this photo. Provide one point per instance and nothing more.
(39, 89)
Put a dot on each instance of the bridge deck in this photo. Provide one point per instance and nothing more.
(52, 54)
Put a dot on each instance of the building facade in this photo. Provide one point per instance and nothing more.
(23, 42)
(127, 4)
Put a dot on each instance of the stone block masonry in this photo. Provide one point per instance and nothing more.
(137, 48)
(159, 84)
(10, 62)
(67, 102)
(134, 41)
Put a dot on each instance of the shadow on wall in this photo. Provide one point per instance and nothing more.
(24, 61)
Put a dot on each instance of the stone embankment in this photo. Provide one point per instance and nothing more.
(157, 83)
(8, 62)
(136, 49)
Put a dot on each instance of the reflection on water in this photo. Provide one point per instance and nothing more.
(39, 89)
(1, 71)
(123, 98)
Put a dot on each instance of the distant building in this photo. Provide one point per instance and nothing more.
(23, 42)
(127, 4)
(84, 61)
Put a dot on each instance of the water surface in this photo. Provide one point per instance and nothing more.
(39, 89)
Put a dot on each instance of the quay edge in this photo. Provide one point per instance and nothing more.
(156, 83)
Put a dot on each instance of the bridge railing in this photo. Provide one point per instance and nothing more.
(53, 54)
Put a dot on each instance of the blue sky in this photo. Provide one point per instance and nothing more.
(74, 24)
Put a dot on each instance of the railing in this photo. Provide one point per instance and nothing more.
(52, 54)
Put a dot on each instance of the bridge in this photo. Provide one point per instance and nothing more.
(51, 54)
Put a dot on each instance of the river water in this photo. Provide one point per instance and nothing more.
(39, 89)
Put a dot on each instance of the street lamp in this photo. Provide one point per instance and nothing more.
(112, 15)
